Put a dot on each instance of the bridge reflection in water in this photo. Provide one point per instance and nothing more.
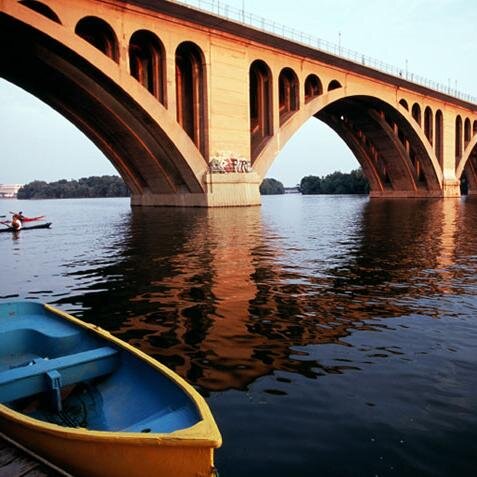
(226, 298)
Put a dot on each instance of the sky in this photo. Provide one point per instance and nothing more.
(434, 38)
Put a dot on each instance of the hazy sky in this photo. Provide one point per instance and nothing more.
(436, 37)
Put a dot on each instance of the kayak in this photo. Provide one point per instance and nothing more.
(32, 219)
(94, 405)
(29, 219)
(28, 227)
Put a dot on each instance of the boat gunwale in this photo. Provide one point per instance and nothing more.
(204, 433)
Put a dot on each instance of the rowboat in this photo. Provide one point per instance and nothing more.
(94, 405)
(47, 225)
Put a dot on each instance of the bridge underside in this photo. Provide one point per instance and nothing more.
(470, 171)
(143, 154)
(391, 154)
(147, 157)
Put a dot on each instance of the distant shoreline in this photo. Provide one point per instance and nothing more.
(94, 187)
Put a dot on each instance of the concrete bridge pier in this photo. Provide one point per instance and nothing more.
(221, 190)
(451, 188)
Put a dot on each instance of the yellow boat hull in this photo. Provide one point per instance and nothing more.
(90, 456)
(81, 452)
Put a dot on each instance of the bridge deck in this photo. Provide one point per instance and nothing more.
(250, 32)
(15, 461)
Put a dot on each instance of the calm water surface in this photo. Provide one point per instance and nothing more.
(331, 336)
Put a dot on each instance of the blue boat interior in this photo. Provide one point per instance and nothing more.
(56, 371)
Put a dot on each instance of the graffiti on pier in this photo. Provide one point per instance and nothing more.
(227, 162)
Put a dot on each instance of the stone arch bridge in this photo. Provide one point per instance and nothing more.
(192, 108)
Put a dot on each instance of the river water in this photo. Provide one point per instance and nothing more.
(330, 335)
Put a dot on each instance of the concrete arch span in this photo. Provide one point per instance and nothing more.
(149, 149)
(468, 164)
(392, 153)
(391, 148)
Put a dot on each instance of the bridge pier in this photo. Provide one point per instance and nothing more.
(221, 190)
(450, 189)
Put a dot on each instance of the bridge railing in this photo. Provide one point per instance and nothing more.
(239, 15)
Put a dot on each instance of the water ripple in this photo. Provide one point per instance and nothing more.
(318, 327)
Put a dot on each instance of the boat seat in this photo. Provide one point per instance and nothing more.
(167, 420)
(43, 374)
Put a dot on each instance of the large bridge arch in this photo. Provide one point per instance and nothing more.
(392, 149)
(150, 150)
(467, 164)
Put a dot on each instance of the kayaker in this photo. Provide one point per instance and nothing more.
(16, 221)
(19, 215)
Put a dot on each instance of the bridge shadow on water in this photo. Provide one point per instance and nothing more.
(226, 296)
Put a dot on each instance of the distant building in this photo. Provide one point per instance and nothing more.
(292, 190)
(9, 191)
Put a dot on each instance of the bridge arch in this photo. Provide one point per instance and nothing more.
(147, 60)
(416, 113)
(334, 84)
(458, 138)
(439, 126)
(288, 94)
(404, 104)
(260, 101)
(468, 165)
(313, 87)
(100, 34)
(394, 154)
(429, 125)
(149, 149)
(191, 93)
(467, 132)
(42, 9)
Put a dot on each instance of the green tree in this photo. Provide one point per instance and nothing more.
(360, 184)
(95, 186)
(336, 183)
(310, 185)
(271, 186)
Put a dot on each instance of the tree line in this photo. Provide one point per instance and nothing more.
(87, 187)
(353, 182)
